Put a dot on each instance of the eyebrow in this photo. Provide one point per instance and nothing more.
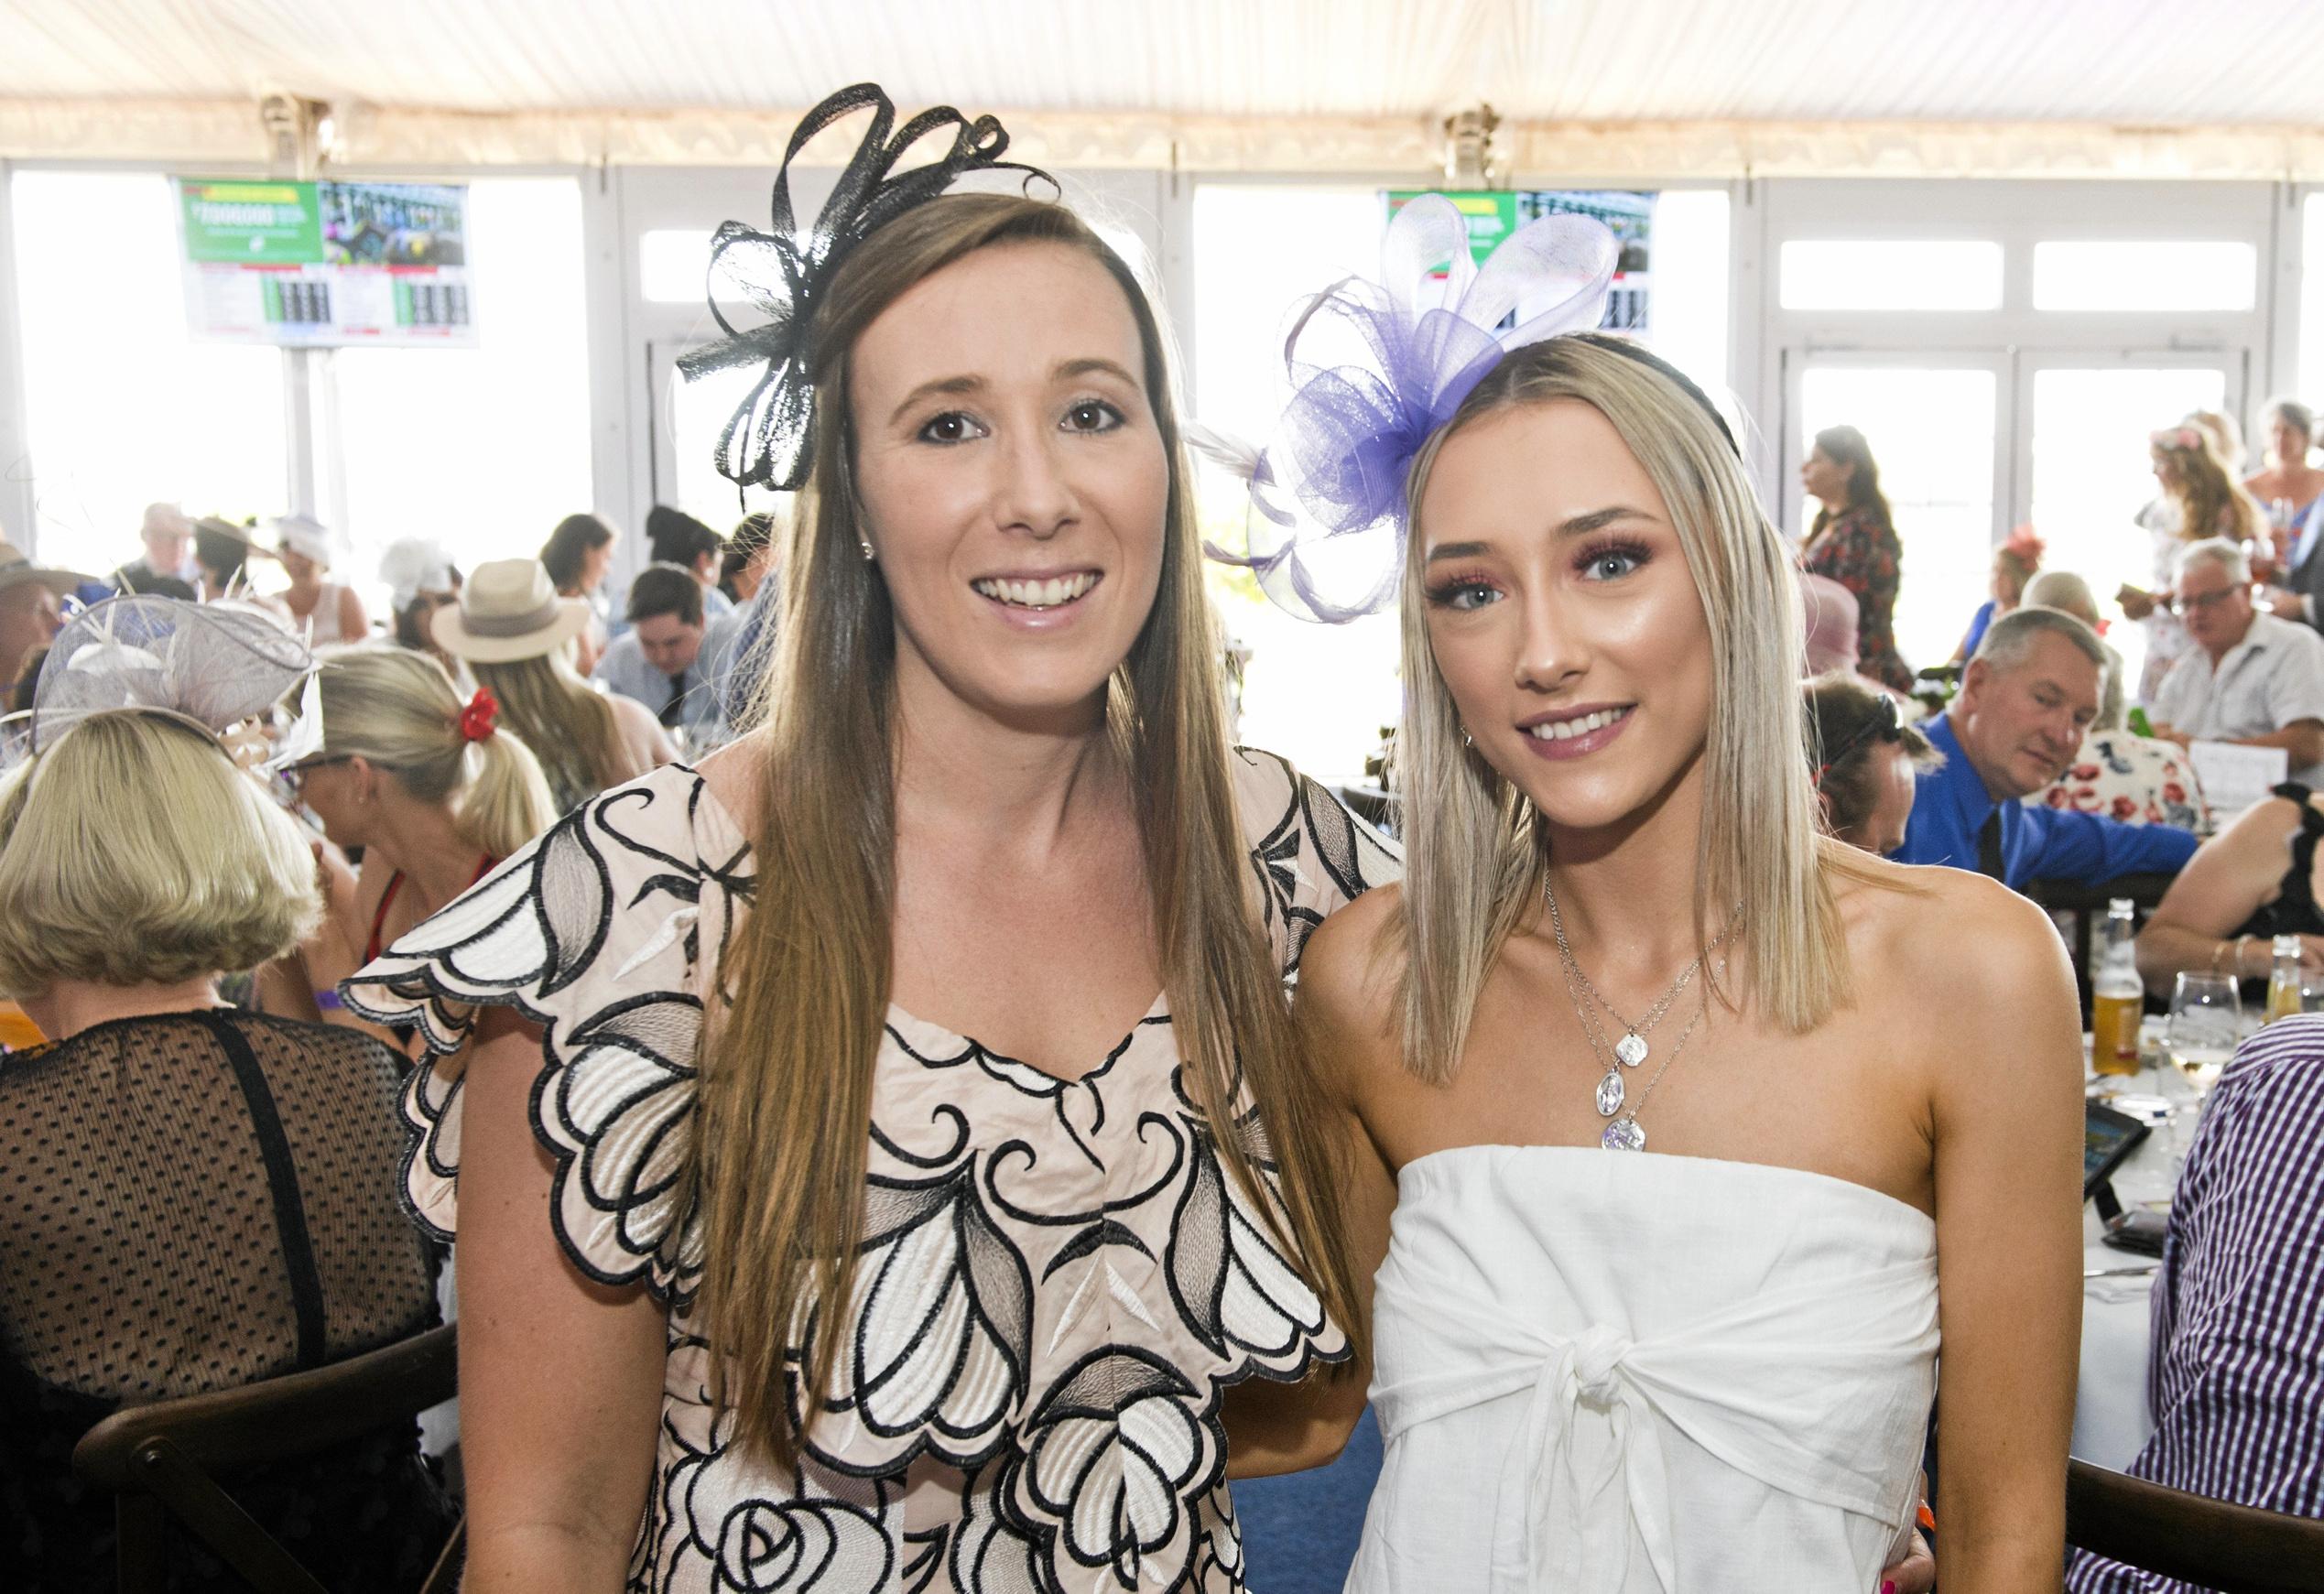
(1066, 369)
(1579, 525)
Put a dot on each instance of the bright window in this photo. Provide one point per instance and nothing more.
(671, 262)
(485, 448)
(1317, 694)
(2156, 274)
(126, 408)
(1885, 274)
(2093, 473)
(1931, 435)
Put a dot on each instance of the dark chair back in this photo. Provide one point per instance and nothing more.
(2232, 1548)
(157, 1459)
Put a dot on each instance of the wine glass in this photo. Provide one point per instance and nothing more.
(2206, 1023)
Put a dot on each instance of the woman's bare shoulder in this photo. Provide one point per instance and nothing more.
(735, 775)
(1349, 970)
(1944, 936)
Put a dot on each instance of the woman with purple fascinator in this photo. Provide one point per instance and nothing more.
(880, 1155)
(1673, 1155)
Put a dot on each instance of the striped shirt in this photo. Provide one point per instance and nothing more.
(2236, 1374)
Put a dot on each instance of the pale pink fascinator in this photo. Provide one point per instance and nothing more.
(1828, 611)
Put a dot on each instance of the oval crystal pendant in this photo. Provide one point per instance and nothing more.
(1631, 1050)
(1610, 1094)
(1623, 1134)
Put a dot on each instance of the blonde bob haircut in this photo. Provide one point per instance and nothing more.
(134, 852)
(1476, 854)
(398, 710)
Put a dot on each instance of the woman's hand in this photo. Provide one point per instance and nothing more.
(1915, 1574)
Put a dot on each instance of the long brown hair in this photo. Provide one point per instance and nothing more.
(787, 1082)
(1845, 446)
(570, 729)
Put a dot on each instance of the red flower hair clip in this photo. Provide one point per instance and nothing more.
(476, 719)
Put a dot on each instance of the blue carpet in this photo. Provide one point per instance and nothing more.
(1300, 1531)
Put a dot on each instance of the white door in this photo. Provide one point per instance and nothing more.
(1936, 424)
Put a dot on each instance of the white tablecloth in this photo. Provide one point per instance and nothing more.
(2111, 1418)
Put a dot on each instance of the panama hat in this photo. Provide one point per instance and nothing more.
(509, 609)
(16, 571)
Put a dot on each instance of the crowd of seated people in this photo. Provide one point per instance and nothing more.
(201, 1195)
(2048, 765)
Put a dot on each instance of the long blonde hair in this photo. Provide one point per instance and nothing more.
(2211, 501)
(1475, 854)
(786, 1080)
(399, 709)
(569, 729)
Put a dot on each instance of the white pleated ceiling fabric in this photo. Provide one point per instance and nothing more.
(2144, 63)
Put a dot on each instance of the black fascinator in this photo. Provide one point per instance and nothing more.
(783, 271)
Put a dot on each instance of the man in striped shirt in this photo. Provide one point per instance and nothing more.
(2236, 1373)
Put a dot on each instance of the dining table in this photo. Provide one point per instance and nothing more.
(2111, 1419)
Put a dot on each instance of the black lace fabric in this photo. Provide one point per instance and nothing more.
(188, 1203)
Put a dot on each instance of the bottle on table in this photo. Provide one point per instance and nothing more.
(2285, 987)
(2118, 997)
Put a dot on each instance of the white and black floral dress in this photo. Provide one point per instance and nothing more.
(1056, 1280)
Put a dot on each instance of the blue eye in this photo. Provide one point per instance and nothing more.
(1611, 563)
(952, 426)
(1462, 595)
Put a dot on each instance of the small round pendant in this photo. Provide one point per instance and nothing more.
(1623, 1134)
(1610, 1094)
(1631, 1050)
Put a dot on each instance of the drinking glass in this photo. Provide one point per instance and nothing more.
(2205, 1025)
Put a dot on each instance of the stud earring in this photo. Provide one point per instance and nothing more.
(866, 544)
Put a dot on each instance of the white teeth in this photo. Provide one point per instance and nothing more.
(1566, 730)
(1046, 594)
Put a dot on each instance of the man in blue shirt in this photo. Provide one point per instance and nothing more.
(663, 660)
(2023, 703)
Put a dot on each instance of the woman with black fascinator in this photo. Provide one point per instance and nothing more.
(932, 1184)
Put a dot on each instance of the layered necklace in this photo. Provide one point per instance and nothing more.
(1622, 1133)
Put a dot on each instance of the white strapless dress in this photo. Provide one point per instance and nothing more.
(1600, 1371)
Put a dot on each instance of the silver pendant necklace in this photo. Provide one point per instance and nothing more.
(1624, 1132)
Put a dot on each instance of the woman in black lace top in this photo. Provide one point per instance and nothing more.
(2253, 881)
(196, 1199)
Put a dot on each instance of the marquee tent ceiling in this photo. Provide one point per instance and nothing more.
(550, 78)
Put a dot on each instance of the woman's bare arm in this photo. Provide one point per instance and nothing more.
(560, 1378)
(1276, 1428)
(2006, 1113)
(2229, 879)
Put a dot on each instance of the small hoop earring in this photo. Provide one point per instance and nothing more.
(866, 544)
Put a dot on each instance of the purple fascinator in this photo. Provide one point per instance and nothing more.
(1374, 369)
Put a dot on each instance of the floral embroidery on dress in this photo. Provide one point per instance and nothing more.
(1057, 1279)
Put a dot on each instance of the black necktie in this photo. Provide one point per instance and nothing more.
(674, 710)
(1989, 848)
